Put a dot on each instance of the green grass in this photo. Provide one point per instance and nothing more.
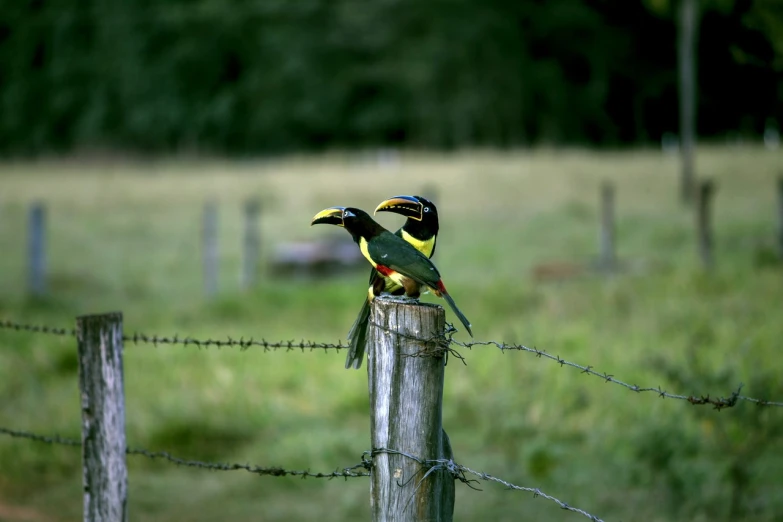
(125, 237)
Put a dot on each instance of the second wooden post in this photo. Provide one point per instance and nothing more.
(105, 474)
(406, 375)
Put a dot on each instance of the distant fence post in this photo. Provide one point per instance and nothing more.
(36, 249)
(704, 222)
(406, 395)
(607, 261)
(250, 243)
(105, 475)
(780, 216)
(210, 248)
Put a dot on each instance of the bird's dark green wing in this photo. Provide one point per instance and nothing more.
(374, 273)
(389, 250)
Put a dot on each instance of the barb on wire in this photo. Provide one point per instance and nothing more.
(434, 346)
(460, 473)
(242, 343)
(717, 402)
(10, 325)
(445, 340)
(54, 439)
(274, 471)
(155, 340)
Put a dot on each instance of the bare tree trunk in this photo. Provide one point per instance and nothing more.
(686, 50)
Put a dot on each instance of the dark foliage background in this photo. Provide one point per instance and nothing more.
(269, 76)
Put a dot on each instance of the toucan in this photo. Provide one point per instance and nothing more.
(390, 255)
(421, 231)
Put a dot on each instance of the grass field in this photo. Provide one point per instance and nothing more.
(125, 236)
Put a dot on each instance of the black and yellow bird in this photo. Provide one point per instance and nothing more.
(390, 255)
(421, 231)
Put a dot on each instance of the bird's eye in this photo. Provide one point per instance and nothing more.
(426, 209)
(347, 213)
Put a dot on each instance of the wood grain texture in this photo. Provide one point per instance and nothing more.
(406, 378)
(105, 473)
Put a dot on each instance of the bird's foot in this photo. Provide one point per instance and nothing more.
(401, 298)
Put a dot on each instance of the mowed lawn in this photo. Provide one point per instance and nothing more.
(126, 236)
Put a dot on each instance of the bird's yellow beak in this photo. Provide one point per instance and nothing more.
(407, 206)
(329, 216)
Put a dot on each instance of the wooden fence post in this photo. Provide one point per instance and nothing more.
(36, 249)
(250, 244)
(406, 395)
(704, 222)
(105, 475)
(780, 216)
(606, 240)
(210, 248)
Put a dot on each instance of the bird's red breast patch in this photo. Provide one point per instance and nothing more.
(384, 270)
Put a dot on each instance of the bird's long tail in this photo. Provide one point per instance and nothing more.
(462, 318)
(358, 337)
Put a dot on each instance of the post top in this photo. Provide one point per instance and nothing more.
(106, 315)
(388, 298)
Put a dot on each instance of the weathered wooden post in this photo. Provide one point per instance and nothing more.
(36, 249)
(704, 222)
(105, 474)
(606, 239)
(250, 243)
(406, 377)
(209, 246)
(780, 216)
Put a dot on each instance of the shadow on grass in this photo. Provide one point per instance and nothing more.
(198, 440)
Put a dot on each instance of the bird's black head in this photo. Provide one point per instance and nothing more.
(421, 213)
(355, 220)
(413, 207)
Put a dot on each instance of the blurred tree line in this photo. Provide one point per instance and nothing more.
(261, 76)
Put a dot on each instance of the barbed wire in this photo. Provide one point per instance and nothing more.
(460, 473)
(456, 470)
(137, 338)
(53, 439)
(434, 346)
(11, 325)
(242, 343)
(274, 471)
(444, 340)
(717, 402)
